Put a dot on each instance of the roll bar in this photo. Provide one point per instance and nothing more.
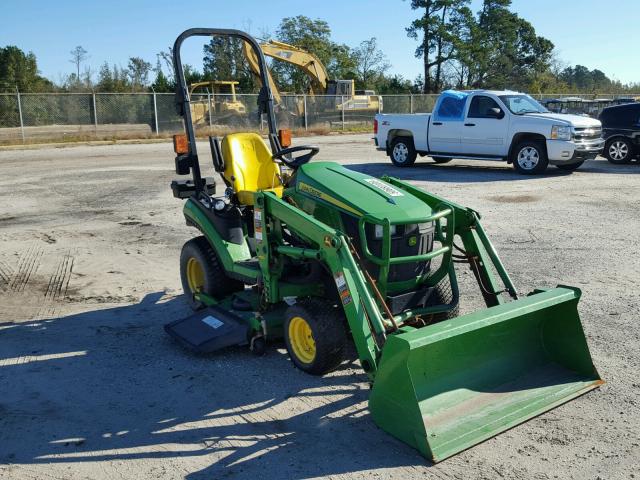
(265, 98)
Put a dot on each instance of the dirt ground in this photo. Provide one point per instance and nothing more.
(91, 387)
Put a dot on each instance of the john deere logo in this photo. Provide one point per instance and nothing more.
(310, 190)
(413, 241)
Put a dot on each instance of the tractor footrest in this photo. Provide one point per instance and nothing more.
(409, 300)
(208, 330)
(186, 188)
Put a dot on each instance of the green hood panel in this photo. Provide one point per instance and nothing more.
(357, 193)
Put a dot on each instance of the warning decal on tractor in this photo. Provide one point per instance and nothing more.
(212, 321)
(343, 291)
(257, 224)
(388, 189)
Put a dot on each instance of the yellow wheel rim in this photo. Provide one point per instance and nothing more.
(195, 275)
(301, 340)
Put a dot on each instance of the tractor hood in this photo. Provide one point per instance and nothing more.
(357, 193)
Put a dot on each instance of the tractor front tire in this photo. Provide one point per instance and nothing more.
(315, 334)
(202, 271)
(442, 294)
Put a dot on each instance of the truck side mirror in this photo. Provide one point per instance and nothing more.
(495, 112)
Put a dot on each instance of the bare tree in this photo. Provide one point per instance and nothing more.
(138, 72)
(556, 64)
(78, 55)
(87, 77)
(370, 61)
(166, 57)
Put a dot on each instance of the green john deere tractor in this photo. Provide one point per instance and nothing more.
(329, 258)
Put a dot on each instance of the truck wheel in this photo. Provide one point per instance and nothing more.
(571, 167)
(403, 152)
(441, 159)
(316, 335)
(530, 158)
(618, 151)
(201, 271)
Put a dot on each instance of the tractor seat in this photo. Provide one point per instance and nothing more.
(248, 166)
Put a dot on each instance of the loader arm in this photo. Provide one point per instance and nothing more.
(368, 324)
(330, 247)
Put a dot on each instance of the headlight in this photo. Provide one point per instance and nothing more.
(560, 132)
(378, 231)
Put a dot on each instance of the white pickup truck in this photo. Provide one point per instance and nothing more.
(490, 125)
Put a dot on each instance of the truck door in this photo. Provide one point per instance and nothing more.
(486, 128)
(445, 128)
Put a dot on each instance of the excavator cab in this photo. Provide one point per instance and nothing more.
(340, 87)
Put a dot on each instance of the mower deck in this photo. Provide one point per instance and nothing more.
(209, 330)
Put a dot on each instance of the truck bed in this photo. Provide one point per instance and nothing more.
(414, 124)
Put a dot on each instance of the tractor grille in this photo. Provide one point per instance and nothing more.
(401, 246)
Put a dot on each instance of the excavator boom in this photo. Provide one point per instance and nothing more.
(317, 72)
(307, 62)
(252, 60)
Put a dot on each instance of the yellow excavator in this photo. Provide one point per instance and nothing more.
(346, 97)
(224, 103)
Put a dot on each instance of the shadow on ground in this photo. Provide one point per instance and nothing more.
(469, 171)
(109, 385)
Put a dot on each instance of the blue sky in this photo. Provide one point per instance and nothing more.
(114, 30)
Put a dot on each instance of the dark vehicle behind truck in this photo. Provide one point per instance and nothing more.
(621, 130)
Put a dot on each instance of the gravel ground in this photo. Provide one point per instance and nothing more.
(91, 387)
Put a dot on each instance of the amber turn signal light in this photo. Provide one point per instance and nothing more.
(180, 144)
(284, 137)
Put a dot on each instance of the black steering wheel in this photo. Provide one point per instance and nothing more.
(294, 162)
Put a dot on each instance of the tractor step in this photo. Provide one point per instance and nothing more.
(209, 330)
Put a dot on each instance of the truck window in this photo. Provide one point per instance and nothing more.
(523, 104)
(480, 106)
(451, 106)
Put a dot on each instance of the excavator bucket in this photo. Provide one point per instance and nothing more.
(452, 385)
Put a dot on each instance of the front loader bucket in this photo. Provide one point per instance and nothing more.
(449, 386)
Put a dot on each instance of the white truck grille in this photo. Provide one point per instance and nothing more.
(585, 134)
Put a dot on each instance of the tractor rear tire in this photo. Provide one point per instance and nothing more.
(315, 333)
(201, 270)
(443, 294)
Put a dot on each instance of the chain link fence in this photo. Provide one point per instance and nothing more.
(34, 117)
